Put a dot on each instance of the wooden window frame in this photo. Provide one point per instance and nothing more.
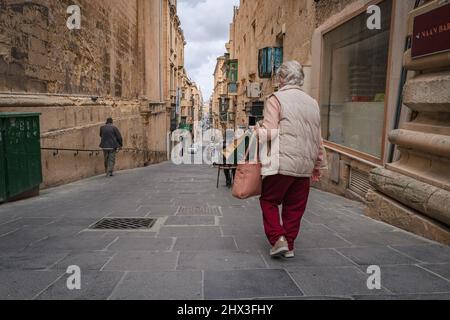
(347, 150)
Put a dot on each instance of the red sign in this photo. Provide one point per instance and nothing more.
(431, 33)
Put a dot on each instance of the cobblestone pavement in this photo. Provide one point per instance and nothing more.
(204, 245)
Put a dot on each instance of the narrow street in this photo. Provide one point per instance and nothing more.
(204, 245)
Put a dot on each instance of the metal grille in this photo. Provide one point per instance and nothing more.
(359, 182)
(124, 224)
(199, 211)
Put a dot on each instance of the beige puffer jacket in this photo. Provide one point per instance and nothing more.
(299, 137)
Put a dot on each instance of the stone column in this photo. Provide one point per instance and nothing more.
(413, 193)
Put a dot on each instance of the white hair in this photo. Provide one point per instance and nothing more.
(291, 73)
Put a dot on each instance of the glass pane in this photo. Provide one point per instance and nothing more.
(354, 82)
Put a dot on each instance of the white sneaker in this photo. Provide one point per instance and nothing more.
(280, 248)
(289, 254)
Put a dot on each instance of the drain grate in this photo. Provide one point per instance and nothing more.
(214, 211)
(124, 224)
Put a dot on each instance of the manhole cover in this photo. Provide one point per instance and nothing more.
(199, 211)
(124, 224)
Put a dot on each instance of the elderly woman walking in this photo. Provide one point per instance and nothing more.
(296, 117)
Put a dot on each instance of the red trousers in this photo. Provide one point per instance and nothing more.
(290, 192)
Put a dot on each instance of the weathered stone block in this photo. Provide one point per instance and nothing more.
(427, 199)
(385, 209)
(428, 92)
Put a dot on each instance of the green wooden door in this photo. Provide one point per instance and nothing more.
(2, 165)
(23, 154)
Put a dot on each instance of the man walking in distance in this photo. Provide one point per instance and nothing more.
(111, 141)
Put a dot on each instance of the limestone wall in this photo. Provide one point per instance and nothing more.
(47, 68)
(74, 123)
(38, 53)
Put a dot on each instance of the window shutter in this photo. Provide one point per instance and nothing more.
(264, 62)
(278, 58)
(269, 59)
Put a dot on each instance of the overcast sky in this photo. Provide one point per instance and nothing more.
(206, 25)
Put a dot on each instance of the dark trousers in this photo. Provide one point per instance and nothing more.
(290, 192)
(228, 175)
(110, 160)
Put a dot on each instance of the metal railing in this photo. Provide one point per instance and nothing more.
(97, 152)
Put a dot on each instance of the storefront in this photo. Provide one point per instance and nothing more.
(384, 100)
(356, 79)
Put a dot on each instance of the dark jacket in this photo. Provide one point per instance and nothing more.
(111, 137)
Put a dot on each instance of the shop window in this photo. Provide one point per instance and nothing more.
(353, 83)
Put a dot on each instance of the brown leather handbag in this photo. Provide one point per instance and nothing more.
(248, 180)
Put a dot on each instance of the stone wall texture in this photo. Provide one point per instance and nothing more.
(385, 209)
(45, 67)
(38, 53)
(326, 8)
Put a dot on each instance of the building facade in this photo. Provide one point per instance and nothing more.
(220, 100)
(126, 61)
(353, 53)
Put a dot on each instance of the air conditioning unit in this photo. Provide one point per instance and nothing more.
(254, 90)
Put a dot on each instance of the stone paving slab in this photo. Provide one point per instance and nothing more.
(95, 285)
(382, 238)
(178, 285)
(209, 255)
(141, 244)
(248, 284)
(426, 253)
(426, 297)
(220, 260)
(199, 244)
(25, 285)
(18, 241)
(142, 261)
(86, 260)
(242, 230)
(412, 280)
(375, 256)
(189, 232)
(332, 281)
(191, 221)
(86, 241)
(256, 242)
(442, 270)
(309, 240)
(30, 261)
(312, 258)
